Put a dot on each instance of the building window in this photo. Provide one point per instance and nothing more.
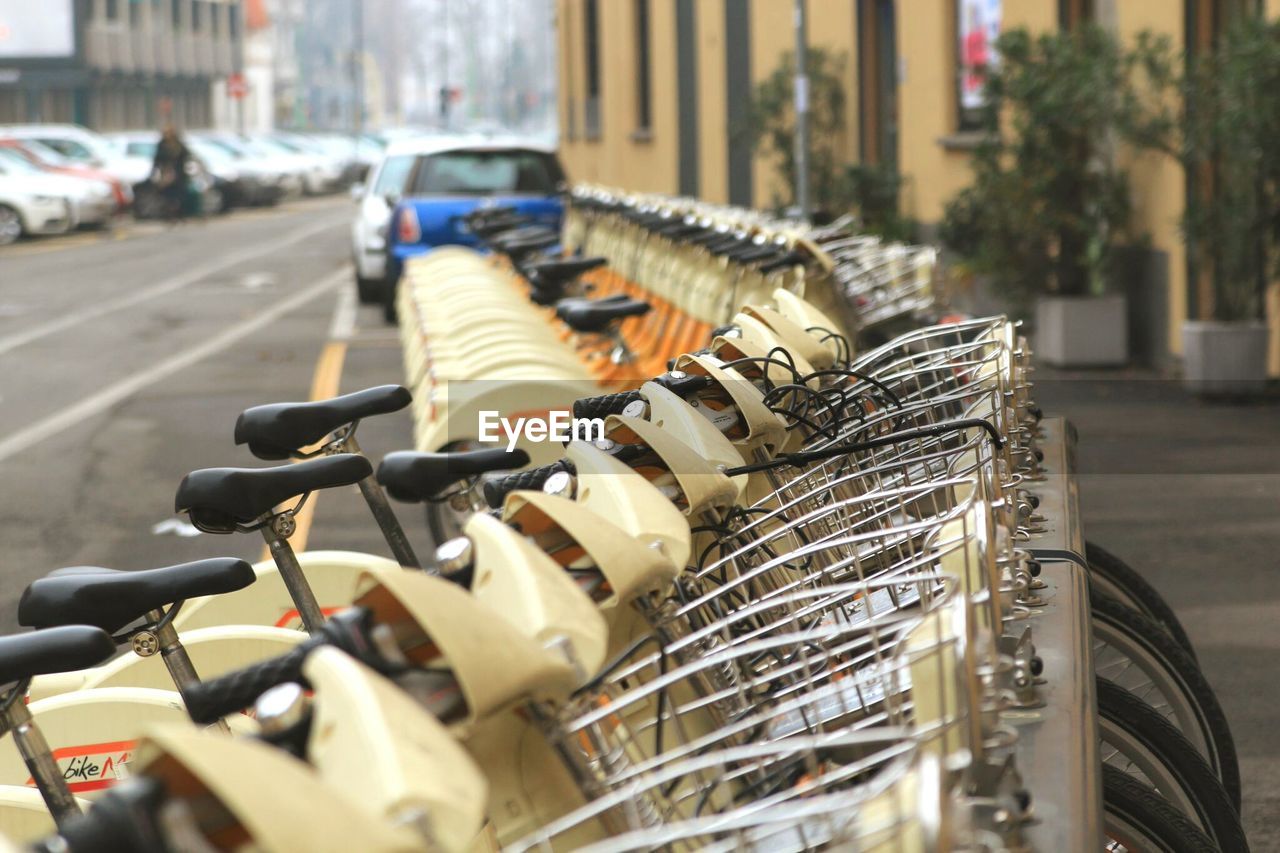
(591, 36)
(1073, 13)
(644, 82)
(175, 11)
(215, 19)
(233, 21)
(977, 28)
(113, 10)
(197, 8)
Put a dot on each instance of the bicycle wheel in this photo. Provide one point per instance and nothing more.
(1138, 740)
(1119, 580)
(1138, 820)
(1136, 653)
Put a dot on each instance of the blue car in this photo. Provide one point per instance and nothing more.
(451, 179)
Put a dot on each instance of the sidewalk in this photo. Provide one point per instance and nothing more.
(1188, 493)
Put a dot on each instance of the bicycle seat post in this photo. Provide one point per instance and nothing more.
(276, 531)
(159, 635)
(376, 498)
(36, 754)
(621, 353)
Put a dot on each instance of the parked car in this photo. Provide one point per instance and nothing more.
(42, 156)
(376, 199)
(29, 206)
(339, 164)
(93, 202)
(453, 177)
(74, 142)
(288, 172)
(318, 172)
(244, 183)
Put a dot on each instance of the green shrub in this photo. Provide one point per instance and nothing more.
(1047, 204)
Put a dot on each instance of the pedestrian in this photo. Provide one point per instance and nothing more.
(169, 172)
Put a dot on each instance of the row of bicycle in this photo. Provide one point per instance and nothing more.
(708, 259)
(768, 609)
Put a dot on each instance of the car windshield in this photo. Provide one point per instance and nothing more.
(69, 148)
(287, 144)
(210, 152)
(270, 147)
(45, 154)
(393, 175)
(517, 171)
(139, 148)
(232, 149)
(16, 164)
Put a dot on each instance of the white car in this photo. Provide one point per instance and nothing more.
(376, 199)
(289, 174)
(28, 207)
(93, 202)
(74, 142)
(320, 174)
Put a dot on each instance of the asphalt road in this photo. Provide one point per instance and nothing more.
(125, 359)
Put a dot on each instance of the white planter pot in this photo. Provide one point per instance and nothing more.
(1224, 358)
(1082, 331)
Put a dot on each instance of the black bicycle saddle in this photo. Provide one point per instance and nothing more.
(279, 430)
(110, 599)
(62, 649)
(588, 316)
(217, 499)
(409, 476)
(562, 271)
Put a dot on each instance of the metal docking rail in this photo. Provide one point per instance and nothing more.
(1057, 751)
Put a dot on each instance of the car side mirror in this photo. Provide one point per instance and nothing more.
(357, 192)
(393, 198)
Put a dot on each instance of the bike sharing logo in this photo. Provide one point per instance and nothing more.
(94, 766)
(555, 425)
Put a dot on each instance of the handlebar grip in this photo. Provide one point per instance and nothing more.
(497, 489)
(212, 700)
(604, 405)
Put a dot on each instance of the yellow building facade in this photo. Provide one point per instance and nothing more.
(653, 95)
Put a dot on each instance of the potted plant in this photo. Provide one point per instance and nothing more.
(1232, 221)
(1047, 203)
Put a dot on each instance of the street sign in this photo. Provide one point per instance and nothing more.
(237, 86)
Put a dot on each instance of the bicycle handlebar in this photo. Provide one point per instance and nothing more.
(212, 700)
(604, 405)
(497, 489)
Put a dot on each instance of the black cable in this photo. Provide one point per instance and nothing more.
(804, 457)
(857, 374)
(845, 353)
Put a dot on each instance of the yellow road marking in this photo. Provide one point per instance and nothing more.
(324, 384)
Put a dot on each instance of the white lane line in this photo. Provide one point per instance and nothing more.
(95, 404)
(191, 276)
(344, 316)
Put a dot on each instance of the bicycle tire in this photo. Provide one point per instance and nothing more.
(1142, 596)
(1143, 643)
(1133, 722)
(1137, 817)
